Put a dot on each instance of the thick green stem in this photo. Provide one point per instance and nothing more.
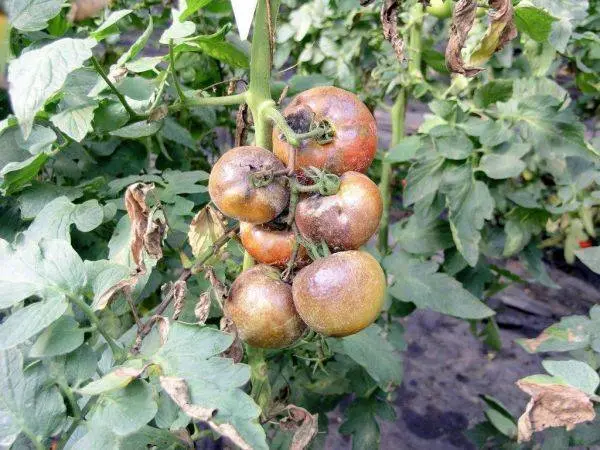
(174, 73)
(415, 42)
(132, 114)
(397, 116)
(226, 100)
(259, 91)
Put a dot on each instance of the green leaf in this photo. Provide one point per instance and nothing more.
(503, 424)
(115, 380)
(361, 422)
(422, 236)
(29, 402)
(178, 30)
(372, 351)
(49, 270)
(192, 7)
(63, 336)
(31, 15)
(214, 382)
(576, 373)
(590, 257)
(417, 282)
(470, 204)
(38, 74)
(533, 21)
(533, 262)
(36, 197)
(138, 45)
(423, 179)
(137, 130)
(55, 220)
(108, 26)
(176, 133)
(17, 175)
(405, 150)
(500, 167)
(571, 333)
(103, 438)
(75, 122)
(226, 52)
(451, 143)
(493, 91)
(127, 410)
(182, 183)
(78, 365)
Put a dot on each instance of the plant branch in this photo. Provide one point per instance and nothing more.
(67, 434)
(68, 392)
(196, 100)
(117, 351)
(180, 93)
(132, 114)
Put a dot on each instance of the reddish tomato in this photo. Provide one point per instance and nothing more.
(585, 244)
(262, 308)
(354, 142)
(231, 188)
(346, 220)
(340, 294)
(404, 183)
(269, 245)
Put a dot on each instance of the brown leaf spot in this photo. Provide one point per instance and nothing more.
(236, 350)
(552, 405)
(202, 308)
(179, 290)
(533, 344)
(158, 113)
(205, 229)
(303, 424)
(389, 22)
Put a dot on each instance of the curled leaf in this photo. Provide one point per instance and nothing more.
(179, 290)
(124, 286)
(163, 328)
(178, 390)
(202, 308)
(389, 22)
(236, 349)
(463, 17)
(84, 9)
(303, 424)
(148, 227)
(552, 405)
(502, 29)
(206, 228)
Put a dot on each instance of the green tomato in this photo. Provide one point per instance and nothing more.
(442, 9)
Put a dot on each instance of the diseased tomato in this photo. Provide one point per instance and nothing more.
(268, 245)
(231, 187)
(354, 142)
(345, 220)
(340, 294)
(262, 308)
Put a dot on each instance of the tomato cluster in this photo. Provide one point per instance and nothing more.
(338, 293)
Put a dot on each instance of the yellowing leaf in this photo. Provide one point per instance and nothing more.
(206, 227)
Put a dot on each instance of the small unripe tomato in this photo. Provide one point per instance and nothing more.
(345, 220)
(262, 308)
(232, 189)
(354, 141)
(442, 9)
(340, 294)
(527, 175)
(269, 245)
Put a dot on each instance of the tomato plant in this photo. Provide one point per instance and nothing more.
(152, 153)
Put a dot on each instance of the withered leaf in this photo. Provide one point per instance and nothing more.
(389, 23)
(206, 228)
(552, 405)
(148, 227)
(179, 289)
(158, 113)
(178, 390)
(84, 9)
(124, 286)
(462, 22)
(303, 424)
(501, 30)
(236, 349)
(202, 308)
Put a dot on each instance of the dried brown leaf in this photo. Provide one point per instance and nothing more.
(552, 405)
(163, 328)
(303, 424)
(502, 29)
(84, 9)
(241, 125)
(236, 350)
(202, 308)
(123, 286)
(158, 113)
(389, 23)
(462, 22)
(179, 290)
(178, 390)
(148, 227)
(205, 229)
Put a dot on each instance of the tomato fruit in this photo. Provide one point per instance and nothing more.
(340, 294)
(262, 308)
(354, 141)
(585, 244)
(442, 9)
(232, 189)
(345, 220)
(268, 245)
